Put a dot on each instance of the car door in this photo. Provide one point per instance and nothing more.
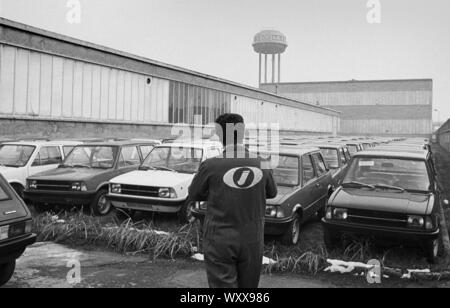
(309, 191)
(47, 158)
(322, 181)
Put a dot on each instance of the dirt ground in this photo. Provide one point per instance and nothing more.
(46, 265)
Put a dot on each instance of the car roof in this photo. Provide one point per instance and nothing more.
(42, 143)
(198, 145)
(116, 143)
(421, 155)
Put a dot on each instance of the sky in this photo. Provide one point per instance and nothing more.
(328, 40)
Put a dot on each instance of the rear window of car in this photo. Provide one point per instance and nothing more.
(331, 157)
(3, 194)
(287, 171)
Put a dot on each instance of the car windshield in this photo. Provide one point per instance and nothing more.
(287, 171)
(15, 155)
(331, 157)
(389, 173)
(178, 159)
(102, 157)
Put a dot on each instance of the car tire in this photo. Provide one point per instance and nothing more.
(332, 241)
(185, 213)
(432, 250)
(101, 206)
(6, 272)
(291, 236)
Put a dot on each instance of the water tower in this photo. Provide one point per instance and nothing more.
(269, 42)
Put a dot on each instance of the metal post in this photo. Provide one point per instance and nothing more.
(265, 68)
(259, 76)
(273, 68)
(279, 67)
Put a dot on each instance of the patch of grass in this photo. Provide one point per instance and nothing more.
(124, 237)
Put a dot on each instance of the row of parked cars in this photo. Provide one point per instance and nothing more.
(382, 187)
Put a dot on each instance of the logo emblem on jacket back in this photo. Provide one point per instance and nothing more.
(243, 177)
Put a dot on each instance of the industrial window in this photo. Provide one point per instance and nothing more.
(188, 102)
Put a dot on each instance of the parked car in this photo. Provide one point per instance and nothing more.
(304, 185)
(82, 179)
(162, 181)
(337, 157)
(19, 160)
(389, 195)
(354, 148)
(15, 230)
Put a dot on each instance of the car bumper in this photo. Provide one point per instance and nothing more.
(146, 205)
(14, 248)
(380, 232)
(272, 226)
(60, 197)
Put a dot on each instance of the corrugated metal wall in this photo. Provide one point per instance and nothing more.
(41, 85)
(37, 84)
(256, 111)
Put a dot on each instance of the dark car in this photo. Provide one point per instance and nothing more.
(304, 185)
(82, 179)
(389, 195)
(15, 230)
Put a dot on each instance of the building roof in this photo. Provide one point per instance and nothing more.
(354, 85)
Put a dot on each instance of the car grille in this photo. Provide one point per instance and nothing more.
(54, 185)
(377, 218)
(135, 190)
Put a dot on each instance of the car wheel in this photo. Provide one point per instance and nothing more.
(292, 235)
(185, 214)
(101, 206)
(6, 272)
(432, 249)
(332, 241)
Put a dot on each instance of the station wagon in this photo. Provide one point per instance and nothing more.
(304, 184)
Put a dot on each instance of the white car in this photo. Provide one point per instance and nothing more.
(19, 160)
(161, 183)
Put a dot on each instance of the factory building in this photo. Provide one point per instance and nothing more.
(59, 87)
(378, 107)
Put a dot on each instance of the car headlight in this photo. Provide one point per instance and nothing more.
(429, 225)
(116, 188)
(28, 226)
(201, 205)
(340, 214)
(274, 211)
(79, 186)
(166, 193)
(32, 184)
(416, 221)
(329, 213)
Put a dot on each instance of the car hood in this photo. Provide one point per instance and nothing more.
(68, 174)
(9, 172)
(283, 193)
(376, 200)
(154, 178)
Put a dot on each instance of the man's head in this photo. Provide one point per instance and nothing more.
(230, 128)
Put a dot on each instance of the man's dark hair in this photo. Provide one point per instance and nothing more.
(236, 123)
